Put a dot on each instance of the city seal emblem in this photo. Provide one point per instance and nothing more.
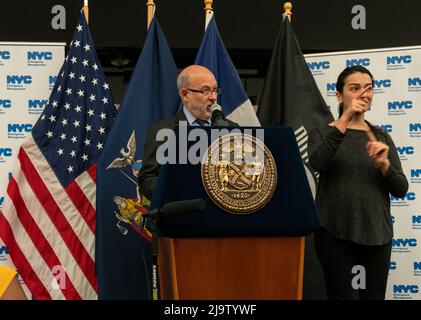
(239, 173)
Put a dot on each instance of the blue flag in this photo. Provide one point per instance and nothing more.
(123, 256)
(233, 99)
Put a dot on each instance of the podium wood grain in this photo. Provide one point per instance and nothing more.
(231, 268)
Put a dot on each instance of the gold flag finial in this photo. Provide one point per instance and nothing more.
(287, 9)
(151, 11)
(208, 12)
(86, 10)
(208, 5)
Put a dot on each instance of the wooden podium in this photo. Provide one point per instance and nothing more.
(213, 254)
(231, 268)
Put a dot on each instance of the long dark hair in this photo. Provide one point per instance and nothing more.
(342, 78)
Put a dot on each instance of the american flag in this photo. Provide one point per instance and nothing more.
(48, 217)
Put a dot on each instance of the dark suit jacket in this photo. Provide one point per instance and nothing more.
(150, 167)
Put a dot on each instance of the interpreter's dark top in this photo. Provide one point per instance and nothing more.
(352, 195)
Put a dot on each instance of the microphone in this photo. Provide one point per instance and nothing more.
(177, 208)
(218, 117)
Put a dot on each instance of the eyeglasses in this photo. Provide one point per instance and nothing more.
(207, 91)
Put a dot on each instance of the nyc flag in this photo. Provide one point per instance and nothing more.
(48, 218)
(233, 99)
(123, 248)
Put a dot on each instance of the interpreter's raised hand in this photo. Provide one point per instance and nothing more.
(378, 153)
(356, 107)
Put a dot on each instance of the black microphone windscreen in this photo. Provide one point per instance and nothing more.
(182, 207)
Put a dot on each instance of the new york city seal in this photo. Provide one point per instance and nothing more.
(239, 173)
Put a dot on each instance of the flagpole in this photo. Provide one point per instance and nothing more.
(208, 12)
(287, 10)
(86, 10)
(154, 227)
(151, 11)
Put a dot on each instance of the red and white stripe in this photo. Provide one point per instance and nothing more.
(46, 226)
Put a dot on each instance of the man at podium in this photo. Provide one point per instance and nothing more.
(198, 90)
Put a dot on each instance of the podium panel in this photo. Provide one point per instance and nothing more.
(231, 268)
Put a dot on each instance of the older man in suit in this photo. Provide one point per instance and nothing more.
(198, 90)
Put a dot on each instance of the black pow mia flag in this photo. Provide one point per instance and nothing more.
(291, 97)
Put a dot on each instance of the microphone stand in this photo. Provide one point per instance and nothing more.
(154, 249)
(168, 209)
(154, 252)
